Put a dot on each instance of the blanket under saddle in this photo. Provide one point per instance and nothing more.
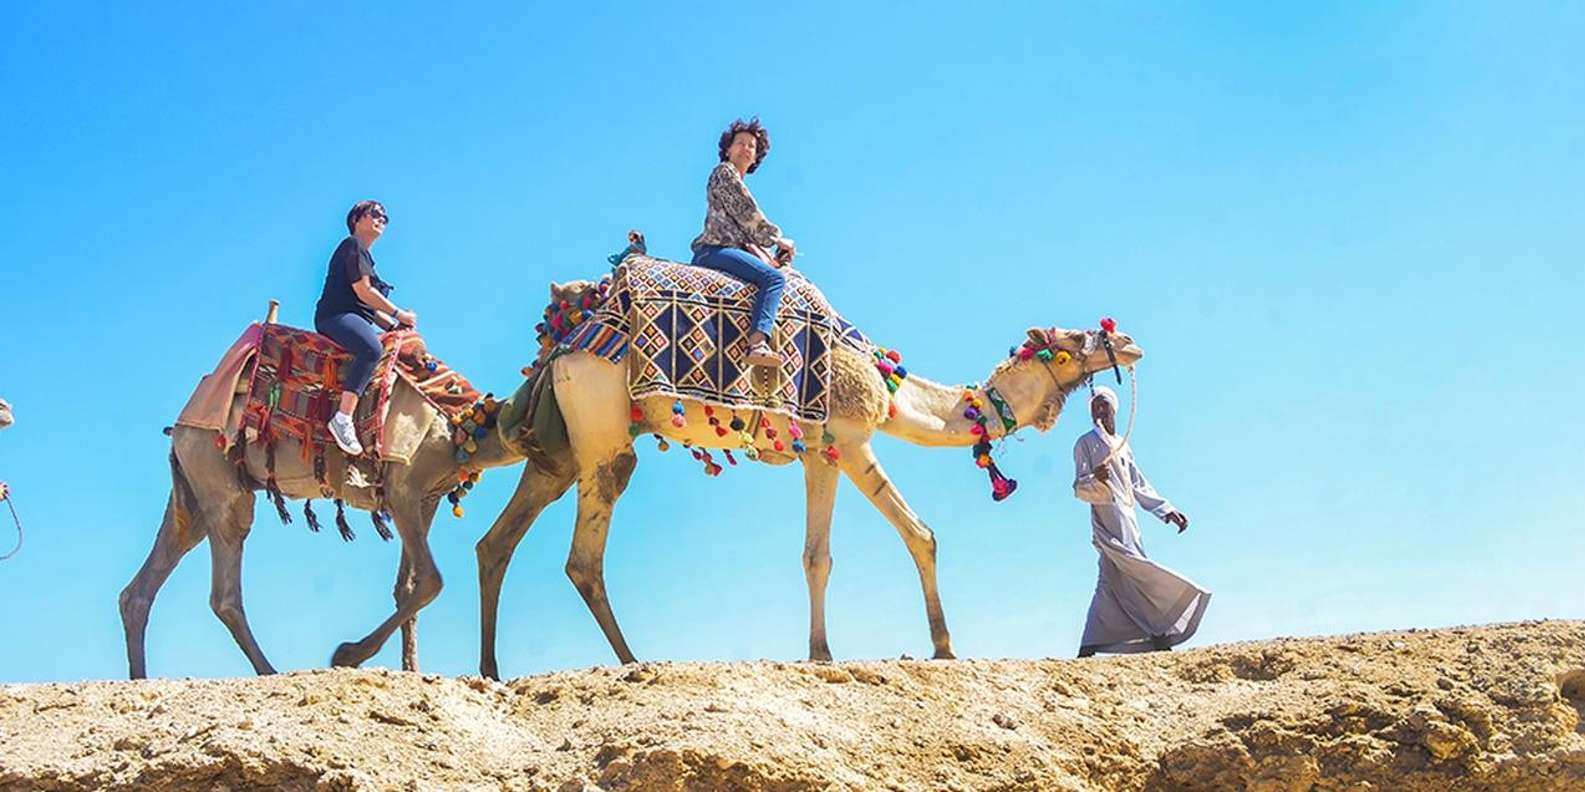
(685, 329)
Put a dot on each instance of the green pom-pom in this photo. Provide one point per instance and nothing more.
(1045, 355)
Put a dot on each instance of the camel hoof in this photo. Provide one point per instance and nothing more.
(820, 655)
(344, 656)
(489, 671)
(944, 654)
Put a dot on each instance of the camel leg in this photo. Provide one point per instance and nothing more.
(404, 588)
(865, 471)
(405, 584)
(412, 524)
(820, 488)
(226, 537)
(536, 490)
(176, 538)
(599, 486)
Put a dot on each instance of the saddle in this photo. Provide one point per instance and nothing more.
(686, 331)
(290, 383)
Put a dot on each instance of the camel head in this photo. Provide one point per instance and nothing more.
(569, 291)
(5, 414)
(1071, 356)
(1086, 350)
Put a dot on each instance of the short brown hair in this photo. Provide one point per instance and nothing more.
(360, 209)
(761, 138)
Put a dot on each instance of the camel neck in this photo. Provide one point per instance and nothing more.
(931, 414)
(493, 453)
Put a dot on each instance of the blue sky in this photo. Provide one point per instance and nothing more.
(1348, 238)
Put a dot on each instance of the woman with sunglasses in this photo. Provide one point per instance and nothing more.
(353, 302)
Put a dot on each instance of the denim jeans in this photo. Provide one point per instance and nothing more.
(356, 335)
(746, 266)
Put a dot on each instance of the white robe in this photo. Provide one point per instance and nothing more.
(1135, 598)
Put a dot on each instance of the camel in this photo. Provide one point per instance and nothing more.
(6, 419)
(208, 501)
(593, 395)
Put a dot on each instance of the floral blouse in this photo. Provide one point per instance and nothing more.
(733, 219)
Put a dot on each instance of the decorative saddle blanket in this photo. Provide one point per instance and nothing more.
(686, 327)
(292, 377)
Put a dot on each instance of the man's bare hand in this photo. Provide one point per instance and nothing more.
(1179, 519)
(1102, 473)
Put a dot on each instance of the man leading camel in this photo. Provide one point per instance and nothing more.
(1139, 605)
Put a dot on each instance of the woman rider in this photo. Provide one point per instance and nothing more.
(354, 300)
(737, 236)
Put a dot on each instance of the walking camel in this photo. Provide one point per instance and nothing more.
(593, 396)
(209, 501)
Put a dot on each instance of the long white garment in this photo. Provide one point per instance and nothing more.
(1135, 598)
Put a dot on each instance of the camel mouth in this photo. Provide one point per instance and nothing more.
(1129, 354)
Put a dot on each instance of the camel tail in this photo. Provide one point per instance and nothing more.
(183, 500)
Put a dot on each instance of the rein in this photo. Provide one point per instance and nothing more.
(18, 522)
(1133, 408)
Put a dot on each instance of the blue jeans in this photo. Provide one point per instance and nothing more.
(356, 335)
(746, 266)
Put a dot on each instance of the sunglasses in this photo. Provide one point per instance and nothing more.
(380, 216)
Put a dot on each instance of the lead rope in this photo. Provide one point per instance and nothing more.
(1133, 408)
(18, 522)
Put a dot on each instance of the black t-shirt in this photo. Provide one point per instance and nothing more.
(349, 264)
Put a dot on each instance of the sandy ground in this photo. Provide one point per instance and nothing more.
(1480, 708)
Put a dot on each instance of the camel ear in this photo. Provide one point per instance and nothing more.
(555, 291)
(1037, 335)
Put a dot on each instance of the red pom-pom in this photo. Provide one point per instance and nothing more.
(637, 414)
(891, 409)
(720, 431)
(1109, 324)
(708, 410)
(893, 356)
(1026, 353)
(779, 447)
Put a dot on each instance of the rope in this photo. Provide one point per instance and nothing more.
(18, 522)
(1133, 408)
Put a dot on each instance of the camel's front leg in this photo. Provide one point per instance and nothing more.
(535, 490)
(412, 524)
(404, 588)
(861, 466)
(599, 486)
(820, 489)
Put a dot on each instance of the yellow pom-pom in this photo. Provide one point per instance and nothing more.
(456, 511)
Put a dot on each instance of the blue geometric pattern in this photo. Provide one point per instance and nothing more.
(686, 328)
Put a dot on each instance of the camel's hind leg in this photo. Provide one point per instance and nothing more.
(412, 524)
(535, 490)
(225, 580)
(598, 489)
(865, 471)
(178, 535)
(594, 400)
(820, 489)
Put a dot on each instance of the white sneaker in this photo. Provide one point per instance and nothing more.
(346, 434)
